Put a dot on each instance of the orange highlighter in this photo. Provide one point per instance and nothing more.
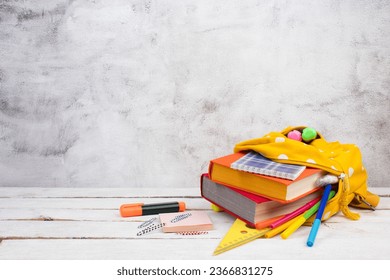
(140, 209)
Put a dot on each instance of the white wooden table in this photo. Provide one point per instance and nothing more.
(68, 223)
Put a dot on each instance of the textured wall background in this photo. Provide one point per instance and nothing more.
(144, 93)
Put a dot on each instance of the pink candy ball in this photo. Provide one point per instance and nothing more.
(295, 135)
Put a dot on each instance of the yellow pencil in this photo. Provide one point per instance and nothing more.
(280, 228)
(302, 219)
(293, 227)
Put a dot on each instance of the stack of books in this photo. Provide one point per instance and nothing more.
(258, 190)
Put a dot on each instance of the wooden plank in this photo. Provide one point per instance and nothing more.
(11, 192)
(128, 229)
(330, 245)
(111, 213)
(101, 209)
(113, 203)
(85, 230)
(103, 214)
(53, 214)
(108, 249)
(93, 203)
(125, 228)
(385, 191)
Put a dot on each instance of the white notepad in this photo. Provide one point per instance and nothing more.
(256, 163)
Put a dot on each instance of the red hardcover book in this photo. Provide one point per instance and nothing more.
(257, 211)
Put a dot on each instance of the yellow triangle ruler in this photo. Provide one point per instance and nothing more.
(238, 234)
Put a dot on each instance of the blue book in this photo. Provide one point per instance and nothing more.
(256, 163)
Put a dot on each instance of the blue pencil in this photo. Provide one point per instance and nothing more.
(317, 221)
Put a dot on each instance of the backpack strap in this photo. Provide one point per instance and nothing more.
(344, 201)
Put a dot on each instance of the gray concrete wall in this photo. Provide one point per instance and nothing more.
(144, 93)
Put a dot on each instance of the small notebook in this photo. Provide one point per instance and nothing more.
(256, 163)
(186, 221)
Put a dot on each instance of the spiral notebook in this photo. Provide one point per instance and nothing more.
(256, 163)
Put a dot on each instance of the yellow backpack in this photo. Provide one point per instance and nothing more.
(341, 160)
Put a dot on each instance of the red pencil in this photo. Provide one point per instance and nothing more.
(295, 213)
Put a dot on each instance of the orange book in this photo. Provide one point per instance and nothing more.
(274, 188)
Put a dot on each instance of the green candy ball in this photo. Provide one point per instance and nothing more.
(309, 134)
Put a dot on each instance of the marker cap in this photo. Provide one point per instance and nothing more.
(131, 210)
(182, 206)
